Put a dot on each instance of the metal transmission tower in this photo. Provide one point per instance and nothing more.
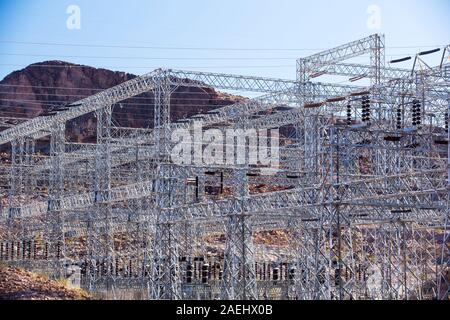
(55, 215)
(100, 239)
(443, 282)
(359, 191)
(239, 279)
(165, 271)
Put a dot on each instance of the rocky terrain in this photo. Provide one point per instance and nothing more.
(29, 92)
(17, 284)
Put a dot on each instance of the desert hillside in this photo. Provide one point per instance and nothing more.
(17, 284)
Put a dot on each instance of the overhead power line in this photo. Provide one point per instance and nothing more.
(183, 48)
(142, 67)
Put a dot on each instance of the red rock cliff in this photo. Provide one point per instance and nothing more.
(29, 92)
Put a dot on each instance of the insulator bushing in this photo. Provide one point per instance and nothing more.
(58, 250)
(349, 114)
(30, 246)
(365, 109)
(189, 273)
(276, 274)
(24, 249)
(130, 265)
(205, 273)
(416, 113)
(399, 118)
(264, 271)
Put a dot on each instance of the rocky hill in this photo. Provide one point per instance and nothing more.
(17, 284)
(31, 91)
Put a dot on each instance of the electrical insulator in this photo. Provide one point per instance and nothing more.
(446, 122)
(349, 114)
(189, 273)
(264, 271)
(419, 113)
(130, 265)
(205, 273)
(365, 109)
(399, 118)
(58, 250)
(276, 274)
(416, 113)
(29, 250)
(24, 249)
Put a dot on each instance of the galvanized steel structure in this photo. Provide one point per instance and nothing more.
(364, 190)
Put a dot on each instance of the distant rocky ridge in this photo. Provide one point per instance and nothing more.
(31, 91)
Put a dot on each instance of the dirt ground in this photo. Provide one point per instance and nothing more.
(17, 284)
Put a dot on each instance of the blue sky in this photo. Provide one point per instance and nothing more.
(265, 37)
